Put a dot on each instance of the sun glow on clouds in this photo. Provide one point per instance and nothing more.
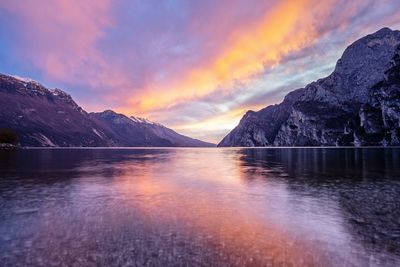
(280, 32)
(62, 35)
(196, 66)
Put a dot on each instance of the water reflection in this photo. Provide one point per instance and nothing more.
(300, 207)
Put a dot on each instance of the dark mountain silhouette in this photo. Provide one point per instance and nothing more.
(357, 105)
(50, 117)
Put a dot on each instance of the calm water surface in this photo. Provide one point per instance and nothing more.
(207, 207)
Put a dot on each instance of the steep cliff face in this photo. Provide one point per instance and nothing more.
(358, 104)
(260, 128)
(380, 116)
(50, 117)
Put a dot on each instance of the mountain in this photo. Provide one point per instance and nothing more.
(357, 105)
(50, 117)
(143, 131)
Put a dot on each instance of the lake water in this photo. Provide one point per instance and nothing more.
(200, 207)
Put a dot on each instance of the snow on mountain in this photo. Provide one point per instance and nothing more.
(50, 117)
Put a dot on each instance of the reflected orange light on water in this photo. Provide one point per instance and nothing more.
(212, 210)
(200, 206)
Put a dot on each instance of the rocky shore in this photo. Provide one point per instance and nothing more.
(4, 146)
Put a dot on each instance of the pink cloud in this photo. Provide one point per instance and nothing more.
(60, 37)
(174, 54)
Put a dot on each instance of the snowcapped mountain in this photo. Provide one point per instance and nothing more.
(50, 117)
(146, 133)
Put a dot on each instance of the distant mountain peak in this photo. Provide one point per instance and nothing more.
(25, 80)
(382, 32)
(135, 119)
(364, 62)
(144, 120)
(146, 133)
(21, 85)
(50, 117)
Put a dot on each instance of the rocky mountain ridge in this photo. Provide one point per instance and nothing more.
(50, 117)
(357, 105)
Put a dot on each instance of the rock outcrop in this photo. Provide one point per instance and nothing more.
(357, 105)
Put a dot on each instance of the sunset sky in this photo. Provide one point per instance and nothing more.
(195, 66)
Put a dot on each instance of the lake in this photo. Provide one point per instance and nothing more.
(200, 207)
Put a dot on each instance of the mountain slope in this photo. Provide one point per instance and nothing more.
(42, 117)
(144, 131)
(50, 117)
(357, 105)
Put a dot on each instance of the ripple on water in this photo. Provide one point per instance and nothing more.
(219, 207)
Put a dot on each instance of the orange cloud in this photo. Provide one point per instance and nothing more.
(213, 126)
(284, 29)
(183, 64)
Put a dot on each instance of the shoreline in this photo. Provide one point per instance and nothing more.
(276, 147)
(4, 146)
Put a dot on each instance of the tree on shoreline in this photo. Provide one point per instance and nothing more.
(7, 136)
